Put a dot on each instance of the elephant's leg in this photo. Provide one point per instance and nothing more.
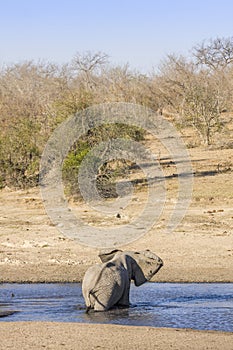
(99, 300)
(124, 300)
(104, 305)
(100, 307)
(108, 298)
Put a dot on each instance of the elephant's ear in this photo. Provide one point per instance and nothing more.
(106, 255)
(138, 275)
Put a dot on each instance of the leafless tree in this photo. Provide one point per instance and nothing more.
(214, 54)
(192, 94)
(88, 64)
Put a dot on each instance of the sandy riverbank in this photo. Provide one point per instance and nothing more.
(74, 336)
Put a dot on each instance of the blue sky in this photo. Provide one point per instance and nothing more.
(138, 32)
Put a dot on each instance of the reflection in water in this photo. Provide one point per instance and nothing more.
(181, 305)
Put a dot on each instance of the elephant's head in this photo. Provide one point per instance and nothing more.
(148, 262)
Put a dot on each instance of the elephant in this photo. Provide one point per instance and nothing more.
(107, 285)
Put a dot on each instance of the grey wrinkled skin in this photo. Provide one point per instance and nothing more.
(107, 285)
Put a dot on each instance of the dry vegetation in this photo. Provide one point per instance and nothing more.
(36, 97)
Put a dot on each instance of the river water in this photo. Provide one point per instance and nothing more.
(203, 306)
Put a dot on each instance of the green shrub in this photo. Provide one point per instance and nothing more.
(107, 172)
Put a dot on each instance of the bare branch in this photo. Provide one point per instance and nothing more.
(214, 54)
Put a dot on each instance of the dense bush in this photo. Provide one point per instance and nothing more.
(107, 172)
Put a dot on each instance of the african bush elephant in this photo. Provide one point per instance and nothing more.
(107, 285)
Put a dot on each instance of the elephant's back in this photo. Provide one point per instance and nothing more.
(114, 275)
(103, 278)
(112, 285)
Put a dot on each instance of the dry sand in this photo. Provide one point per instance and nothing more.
(74, 336)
